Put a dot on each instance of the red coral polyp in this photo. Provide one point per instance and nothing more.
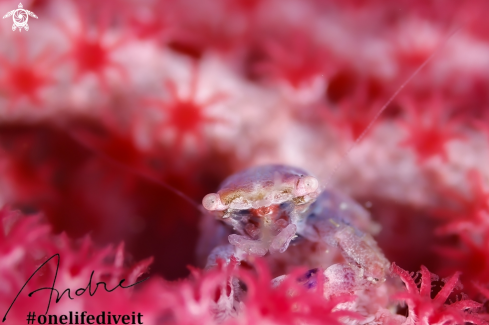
(430, 129)
(26, 78)
(184, 116)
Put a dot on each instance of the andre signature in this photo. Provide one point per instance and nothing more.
(78, 292)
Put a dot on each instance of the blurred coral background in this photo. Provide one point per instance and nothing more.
(117, 117)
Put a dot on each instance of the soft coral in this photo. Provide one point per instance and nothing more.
(27, 243)
(469, 224)
(91, 51)
(291, 301)
(425, 310)
(473, 209)
(470, 255)
(294, 58)
(24, 79)
(430, 129)
(184, 116)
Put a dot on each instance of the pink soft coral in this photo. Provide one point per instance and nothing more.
(290, 301)
(98, 164)
(26, 77)
(183, 116)
(27, 242)
(430, 130)
(425, 310)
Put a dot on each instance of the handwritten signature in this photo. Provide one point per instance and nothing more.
(78, 292)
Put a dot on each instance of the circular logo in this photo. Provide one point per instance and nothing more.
(20, 18)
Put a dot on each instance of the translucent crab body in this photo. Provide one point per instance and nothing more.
(265, 205)
(270, 206)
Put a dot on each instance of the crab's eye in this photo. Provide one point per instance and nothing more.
(211, 201)
(306, 185)
(310, 183)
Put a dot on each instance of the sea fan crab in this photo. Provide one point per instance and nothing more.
(273, 206)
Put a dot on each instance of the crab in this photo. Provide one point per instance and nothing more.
(271, 207)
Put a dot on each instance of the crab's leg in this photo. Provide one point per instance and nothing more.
(222, 252)
(338, 221)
